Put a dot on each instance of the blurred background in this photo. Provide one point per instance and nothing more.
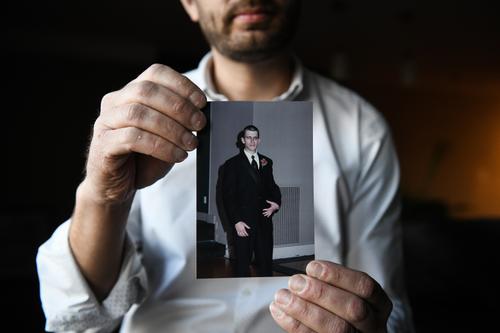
(431, 67)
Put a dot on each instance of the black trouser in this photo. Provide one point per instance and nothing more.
(259, 242)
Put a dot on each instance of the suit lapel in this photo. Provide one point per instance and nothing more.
(248, 168)
(261, 167)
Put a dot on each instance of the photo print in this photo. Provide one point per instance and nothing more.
(255, 208)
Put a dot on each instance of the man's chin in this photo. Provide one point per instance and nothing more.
(250, 53)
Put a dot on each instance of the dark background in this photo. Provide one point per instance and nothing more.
(431, 67)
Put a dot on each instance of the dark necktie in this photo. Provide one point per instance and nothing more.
(254, 163)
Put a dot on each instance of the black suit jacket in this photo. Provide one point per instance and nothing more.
(245, 190)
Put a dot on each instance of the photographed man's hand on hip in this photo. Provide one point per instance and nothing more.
(331, 298)
(241, 229)
(273, 207)
(142, 130)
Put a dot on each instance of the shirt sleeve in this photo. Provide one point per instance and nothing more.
(373, 227)
(68, 302)
(274, 189)
(229, 193)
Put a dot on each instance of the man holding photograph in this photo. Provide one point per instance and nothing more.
(251, 197)
(138, 195)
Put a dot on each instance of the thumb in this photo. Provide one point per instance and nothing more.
(246, 225)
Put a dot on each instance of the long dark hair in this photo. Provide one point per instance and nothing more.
(238, 143)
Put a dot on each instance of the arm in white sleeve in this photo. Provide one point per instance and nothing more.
(68, 302)
(373, 228)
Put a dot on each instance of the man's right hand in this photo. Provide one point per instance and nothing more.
(241, 229)
(142, 130)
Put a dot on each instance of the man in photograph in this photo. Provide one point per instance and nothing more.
(251, 197)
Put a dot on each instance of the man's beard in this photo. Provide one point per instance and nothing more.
(265, 41)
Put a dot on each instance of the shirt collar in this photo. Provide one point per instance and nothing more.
(249, 157)
(208, 87)
(249, 154)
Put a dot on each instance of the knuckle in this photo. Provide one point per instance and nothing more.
(169, 126)
(295, 326)
(182, 82)
(157, 147)
(357, 310)
(106, 100)
(301, 308)
(146, 89)
(366, 286)
(185, 85)
(178, 105)
(339, 326)
(97, 126)
(330, 273)
(155, 69)
(315, 290)
(130, 137)
(135, 113)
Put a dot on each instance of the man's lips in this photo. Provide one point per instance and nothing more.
(251, 15)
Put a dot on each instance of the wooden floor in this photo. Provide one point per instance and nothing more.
(220, 267)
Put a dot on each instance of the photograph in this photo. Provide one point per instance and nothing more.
(255, 190)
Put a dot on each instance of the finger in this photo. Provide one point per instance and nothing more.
(145, 118)
(309, 314)
(356, 282)
(174, 81)
(286, 322)
(344, 304)
(129, 139)
(240, 231)
(161, 99)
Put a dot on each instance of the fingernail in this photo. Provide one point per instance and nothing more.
(197, 120)
(275, 310)
(316, 269)
(197, 99)
(297, 283)
(282, 296)
(180, 155)
(189, 140)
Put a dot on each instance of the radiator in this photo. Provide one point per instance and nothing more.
(286, 220)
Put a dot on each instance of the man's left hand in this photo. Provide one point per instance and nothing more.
(273, 206)
(331, 298)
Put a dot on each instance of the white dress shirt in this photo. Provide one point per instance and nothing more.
(249, 157)
(356, 179)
